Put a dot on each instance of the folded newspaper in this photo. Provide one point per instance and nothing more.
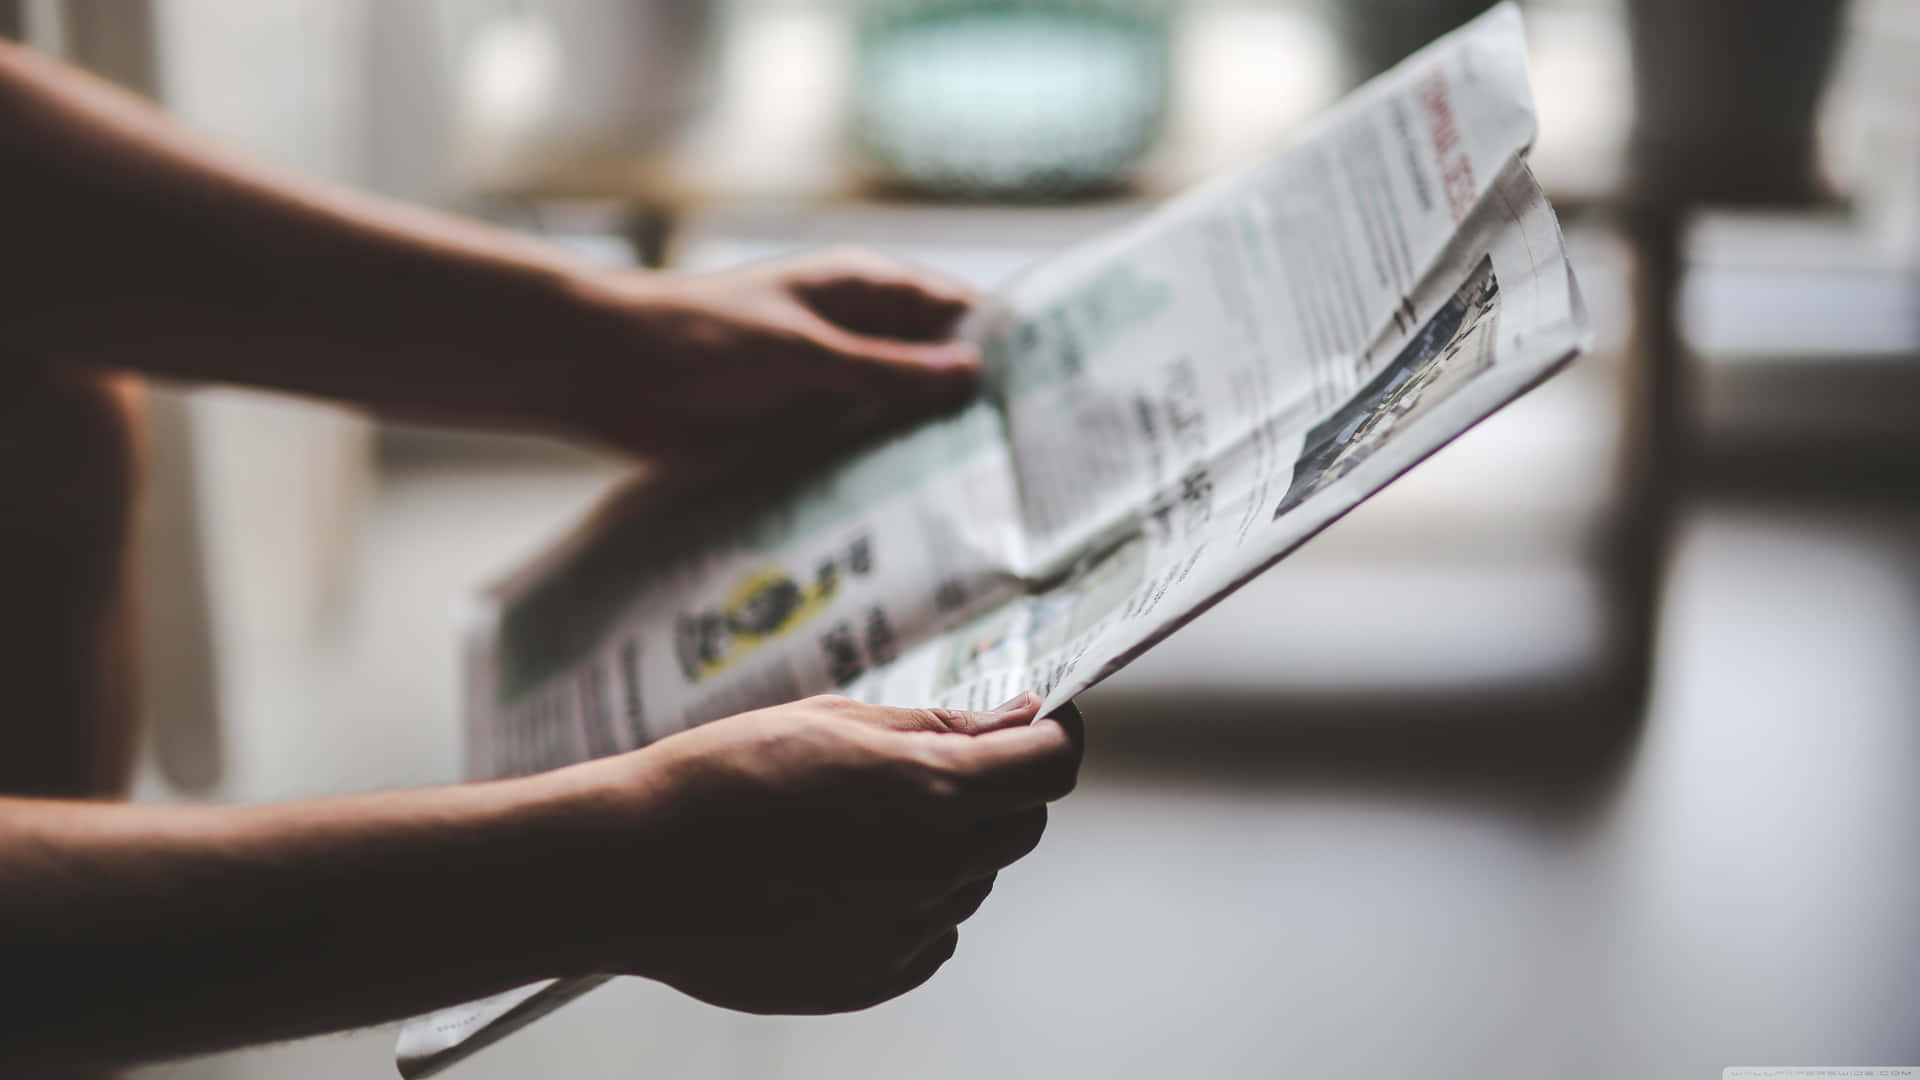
(1169, 409)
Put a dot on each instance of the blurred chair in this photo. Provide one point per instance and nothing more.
(1788, 269)
(1801, 333)
(1731, 89)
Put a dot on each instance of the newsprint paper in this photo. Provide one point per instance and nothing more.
(1170, 409)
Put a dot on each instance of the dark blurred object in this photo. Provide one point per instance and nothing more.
(1377, 34)
(1803, 337)
(986, 98)
(1727, 91)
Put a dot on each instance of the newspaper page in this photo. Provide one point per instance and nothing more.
(1170, 409)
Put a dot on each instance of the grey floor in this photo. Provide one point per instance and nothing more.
(1738, 883)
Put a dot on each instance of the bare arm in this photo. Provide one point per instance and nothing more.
(130, 244)
(133, 932)
(809, 858)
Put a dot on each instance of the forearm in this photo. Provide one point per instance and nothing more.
(130, 932)
(131, 245)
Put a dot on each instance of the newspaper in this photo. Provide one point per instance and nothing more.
(1169, 409)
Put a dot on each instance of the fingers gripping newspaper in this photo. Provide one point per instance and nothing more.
(1169, 410)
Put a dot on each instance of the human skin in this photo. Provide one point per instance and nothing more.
(812, 857)
(131, 245)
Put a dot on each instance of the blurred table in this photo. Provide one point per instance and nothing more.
(1740, 884)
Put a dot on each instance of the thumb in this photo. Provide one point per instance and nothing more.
(1014, 713)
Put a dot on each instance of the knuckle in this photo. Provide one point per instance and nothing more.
(1034, 821)
(1024, 838)
(885, 953)
(902, 952)
(971, 898)
(831, 704)
(925, 719)
(922, 955)
(1058, 774)
(960, 720)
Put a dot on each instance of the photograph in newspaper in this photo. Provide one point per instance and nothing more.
(1454, 346)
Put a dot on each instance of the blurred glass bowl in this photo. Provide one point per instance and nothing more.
(1009, 99)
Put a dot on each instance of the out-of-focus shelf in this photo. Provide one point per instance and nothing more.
(1247, 77)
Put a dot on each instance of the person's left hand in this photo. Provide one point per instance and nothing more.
(800, 354)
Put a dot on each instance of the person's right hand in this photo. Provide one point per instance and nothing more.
(817, 857)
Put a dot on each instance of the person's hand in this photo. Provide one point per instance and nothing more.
(817, 857)
(808, 352)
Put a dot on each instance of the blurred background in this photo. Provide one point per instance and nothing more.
(1589, 749)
